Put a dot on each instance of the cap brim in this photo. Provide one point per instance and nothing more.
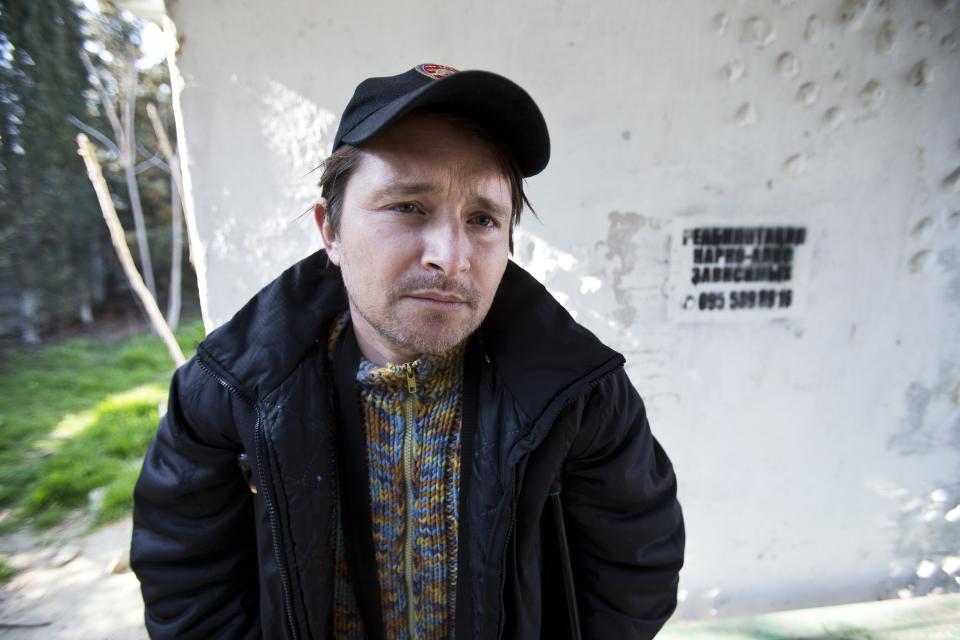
(488, 98)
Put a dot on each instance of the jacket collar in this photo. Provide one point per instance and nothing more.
(538, 349)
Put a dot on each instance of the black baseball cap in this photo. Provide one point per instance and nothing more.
(487, 98)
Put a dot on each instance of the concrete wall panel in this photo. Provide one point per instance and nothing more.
(819, 456)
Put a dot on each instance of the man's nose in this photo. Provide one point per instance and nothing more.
(446, 248)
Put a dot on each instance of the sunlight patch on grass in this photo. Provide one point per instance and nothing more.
(74, 424)
(71, 425)
(114, 436)
(77, 417)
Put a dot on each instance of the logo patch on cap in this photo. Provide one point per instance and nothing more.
(435, 71)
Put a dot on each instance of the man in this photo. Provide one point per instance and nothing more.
(404, 435)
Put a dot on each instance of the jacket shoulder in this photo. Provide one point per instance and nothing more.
(539, 350)
(269, 336)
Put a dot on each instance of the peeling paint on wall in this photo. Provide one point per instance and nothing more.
(886, 37)
(720, 22)
(758, 31)
(537, 256)
(921, 229)
(921, 74)
(873, 94)
(834, 116)
(795, 165)
(919, 260)
(952, 181)
(733, 70)
(811, 33)
(746, 114)
(621, 251)
(839, 79)
(853, 13)
(808, 93)
(787, 65)
(931, 419)
(950, 42)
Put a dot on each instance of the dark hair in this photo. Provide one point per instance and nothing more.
(339, 166)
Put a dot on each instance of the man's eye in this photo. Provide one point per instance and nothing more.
(484, 220)
(405, 207)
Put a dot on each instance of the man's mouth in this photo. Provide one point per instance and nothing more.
(441, 297)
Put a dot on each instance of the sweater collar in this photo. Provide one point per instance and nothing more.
(427, 370)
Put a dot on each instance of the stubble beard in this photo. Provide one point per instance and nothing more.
(429, 333)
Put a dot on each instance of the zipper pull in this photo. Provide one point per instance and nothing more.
(411, 381)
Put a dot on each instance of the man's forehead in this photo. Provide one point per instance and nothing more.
(425, 151)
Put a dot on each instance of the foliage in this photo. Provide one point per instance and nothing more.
(42, 179)
(56, 261)
(75, 421)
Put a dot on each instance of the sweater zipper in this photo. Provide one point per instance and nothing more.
(271, 511)
(408, 444)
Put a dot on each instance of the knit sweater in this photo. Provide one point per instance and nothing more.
(429, 390)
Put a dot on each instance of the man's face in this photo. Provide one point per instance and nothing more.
(423, 239)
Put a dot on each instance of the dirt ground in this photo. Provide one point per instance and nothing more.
(71, 584)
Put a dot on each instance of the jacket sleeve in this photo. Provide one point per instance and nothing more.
(193, 545)
(625, 526)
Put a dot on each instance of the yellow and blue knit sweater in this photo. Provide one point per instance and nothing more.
(428, 390)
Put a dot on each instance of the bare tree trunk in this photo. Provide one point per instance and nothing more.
(176, 195)
(28, 317)
(123, 251)
(126, 152)
(176, 260)
(129, 160)
(195, 247)
(85, 310)
(173, 159)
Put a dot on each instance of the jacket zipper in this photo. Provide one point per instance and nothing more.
(503, 556)
(513, 500)
(408, 445)
(271, 511)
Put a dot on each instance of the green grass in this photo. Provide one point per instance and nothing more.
(77, 417)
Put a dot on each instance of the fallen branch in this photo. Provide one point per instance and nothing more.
(119, 240)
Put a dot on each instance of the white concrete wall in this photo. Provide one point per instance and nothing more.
(819, 456)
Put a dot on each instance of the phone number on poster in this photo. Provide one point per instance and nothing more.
(745, 299)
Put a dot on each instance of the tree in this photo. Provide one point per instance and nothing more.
(124, 146)
(56, 263)
(123, 252)
(50, 240)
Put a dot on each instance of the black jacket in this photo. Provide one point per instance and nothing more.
(553, 410)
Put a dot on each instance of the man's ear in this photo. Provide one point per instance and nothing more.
(330, 241)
